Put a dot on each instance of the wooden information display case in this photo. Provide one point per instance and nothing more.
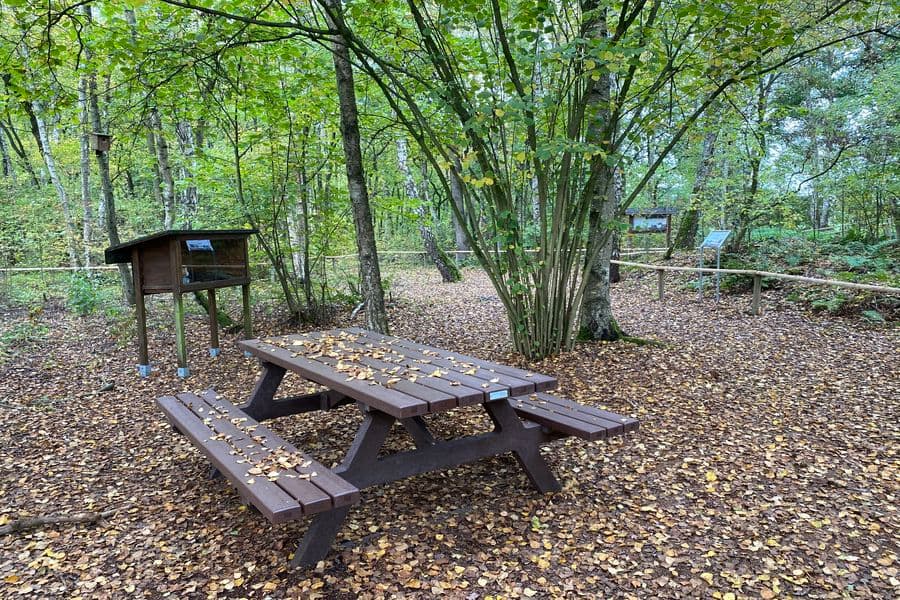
(651, 220)
(184, 261)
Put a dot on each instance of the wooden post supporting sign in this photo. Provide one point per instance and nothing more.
(757, 288)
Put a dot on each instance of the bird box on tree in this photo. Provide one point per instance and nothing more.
(100, 142)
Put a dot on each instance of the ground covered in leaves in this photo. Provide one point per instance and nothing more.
(766, 464)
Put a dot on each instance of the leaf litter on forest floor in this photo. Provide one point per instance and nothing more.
(766, 465)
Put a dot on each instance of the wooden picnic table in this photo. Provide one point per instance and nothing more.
(392, 380)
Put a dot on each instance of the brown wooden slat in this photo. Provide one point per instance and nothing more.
(512, 385)
(464, 395)
(541, 382)
(272, 501)
(376, 396)
(627, 424)
(310, 497)
(567, 416)
(487, 388)
(569, 410)
(437, 401)
(560, 422)
(341, 492)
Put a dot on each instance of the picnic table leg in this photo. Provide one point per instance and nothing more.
(418, 430)
(363, 452)
(362, 455)
(527, 453)
(261, 398)
(319, 538)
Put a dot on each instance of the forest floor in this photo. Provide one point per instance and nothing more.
(766, 464)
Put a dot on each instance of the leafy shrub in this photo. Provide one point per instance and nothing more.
(873, 315)
(82, 294)
(833, 304)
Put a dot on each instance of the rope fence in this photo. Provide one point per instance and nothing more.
(757, 279)
(661, 270)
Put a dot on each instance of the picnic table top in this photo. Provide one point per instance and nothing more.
(396, 376)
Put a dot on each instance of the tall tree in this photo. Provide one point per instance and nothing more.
(369, 269)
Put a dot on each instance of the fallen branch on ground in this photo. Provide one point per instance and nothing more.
(29, 523)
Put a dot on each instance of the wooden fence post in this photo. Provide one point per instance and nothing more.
(757, 288)
(660, 283)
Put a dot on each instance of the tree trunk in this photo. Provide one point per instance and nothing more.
(8, 170)
(895, 216)
(689, 225)
(369, 271)
(86, 207)
(165, 170)
(191, 199)
(298, 233)
(298, 223)
(106, 191)
(449, 272)
(57, 183)
(157, 178)
(596, 321)
(619, 191)
(16, 144)
(456, 196)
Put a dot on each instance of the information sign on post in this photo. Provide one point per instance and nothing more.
(714, 239)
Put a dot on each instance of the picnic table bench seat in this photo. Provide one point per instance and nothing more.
(282, 482)
(568, 417)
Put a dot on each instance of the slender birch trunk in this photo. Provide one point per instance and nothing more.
(85, 165)
(298, 225)
(8, 170)
(191, 199)
(165, 169)
(456, 196)
(106, 190)
(50, 163)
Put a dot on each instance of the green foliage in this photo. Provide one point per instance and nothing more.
(88, 294)
(261, 109)
(20, 336)
(82, 295)
(834, 303)
(873, 316)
